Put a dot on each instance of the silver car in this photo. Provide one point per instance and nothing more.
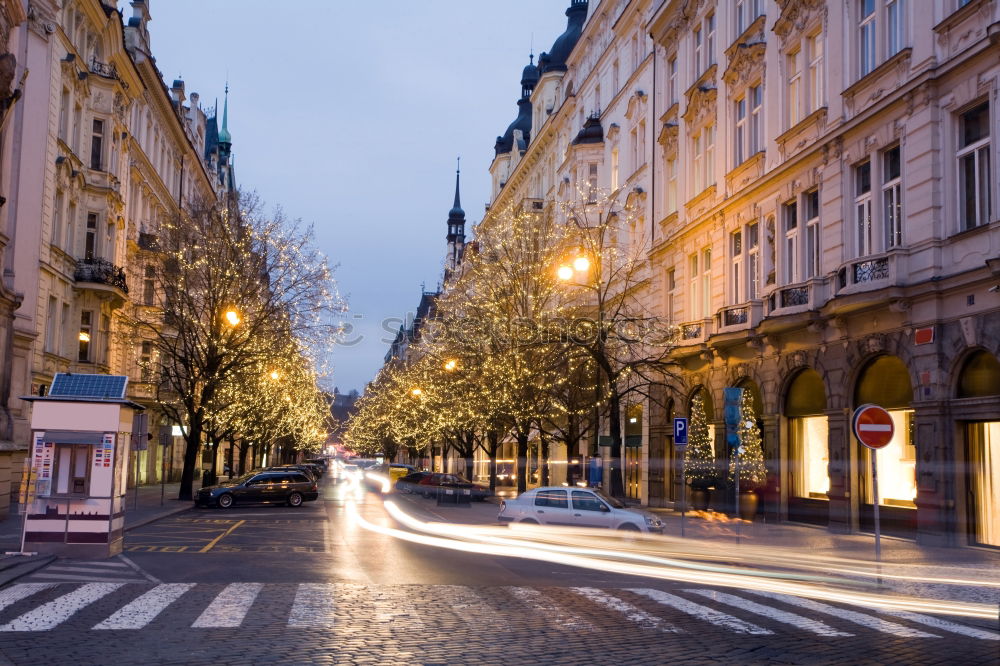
(576, 507)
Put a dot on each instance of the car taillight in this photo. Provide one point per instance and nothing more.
(315, 487)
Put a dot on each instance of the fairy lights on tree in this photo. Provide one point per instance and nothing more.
(699, 456)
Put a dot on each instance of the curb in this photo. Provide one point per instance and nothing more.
(160, 516)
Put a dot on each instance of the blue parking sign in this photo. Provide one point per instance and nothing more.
(680, 432)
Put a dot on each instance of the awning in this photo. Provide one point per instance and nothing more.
(73, 437)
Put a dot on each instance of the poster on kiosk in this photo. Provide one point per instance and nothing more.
(75, 491)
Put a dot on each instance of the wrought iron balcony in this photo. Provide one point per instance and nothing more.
(736, 316)
(793, 296)
(106, 70)
(871, 270)
(691, 331)
(101, 271)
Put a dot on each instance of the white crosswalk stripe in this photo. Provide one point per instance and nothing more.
(314, 606)
(14, 594)
(806, 623)
(144, 610)
(230, 606)
(876, 623)
(59, 610)
(717, 618)
(633, 613)
(85, 571)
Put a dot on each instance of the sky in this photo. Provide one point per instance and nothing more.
(349, 115)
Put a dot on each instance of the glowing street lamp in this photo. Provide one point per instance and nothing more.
(233, 317)
(581, 264)
(565, 273)
(416, 393)
(274, 375)
(450, 365)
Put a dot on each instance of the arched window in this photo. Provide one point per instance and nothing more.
(808, 447)
(980, 376)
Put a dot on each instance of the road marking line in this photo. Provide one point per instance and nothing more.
(717, 618)
(876, 623)
(109, 565)
(12, 595)
(230, 607)
(81, 578)
(944, 625)
(637, 615)
(86, 570)
(799, 621)
(314, 606)
(549, 609)
(144, 609)
(151, 578)
(216, 540)
(59, 610)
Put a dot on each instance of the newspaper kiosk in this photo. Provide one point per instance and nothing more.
(81, 431)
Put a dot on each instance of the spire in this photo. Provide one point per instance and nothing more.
(456, 210)
(456, 216)
(224, 135)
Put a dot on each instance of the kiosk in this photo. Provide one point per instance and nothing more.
(81, 431)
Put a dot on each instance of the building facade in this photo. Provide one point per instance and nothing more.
(103, 154)
(815, 182)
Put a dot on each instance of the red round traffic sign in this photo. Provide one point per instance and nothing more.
(872, 426)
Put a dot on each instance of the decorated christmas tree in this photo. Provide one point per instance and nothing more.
(699, 457)
(752, 472)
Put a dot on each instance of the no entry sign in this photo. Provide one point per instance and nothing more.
(872, 426)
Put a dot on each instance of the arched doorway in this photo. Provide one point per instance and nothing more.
(808, 449)
(885, 381)
(980, 378)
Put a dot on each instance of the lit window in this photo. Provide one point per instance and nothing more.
(85, 335)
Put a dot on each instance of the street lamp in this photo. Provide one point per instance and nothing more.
(274, 375)
(232, 316)
(416, 392)
(565, 273)
(581, 264)
(450, 365)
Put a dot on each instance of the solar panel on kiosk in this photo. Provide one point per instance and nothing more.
(88, 386)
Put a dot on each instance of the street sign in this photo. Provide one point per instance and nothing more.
(872, 426)
(731, 415)
(680, 432)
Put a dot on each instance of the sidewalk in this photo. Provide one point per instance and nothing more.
(140, 509)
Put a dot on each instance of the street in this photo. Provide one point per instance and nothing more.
(313, 585)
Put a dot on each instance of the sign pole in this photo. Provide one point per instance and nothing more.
(684, 492)
(878, 530)
(680, 445)
(739, 518)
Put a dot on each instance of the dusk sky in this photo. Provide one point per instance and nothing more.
(349, 115)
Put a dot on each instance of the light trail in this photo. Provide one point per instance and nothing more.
(486, 541)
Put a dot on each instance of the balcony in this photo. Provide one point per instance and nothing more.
(739, 317)
(149, 242)
(106, 275)
(794, 298)
(869, 273)
(693, 332)
(106, 70)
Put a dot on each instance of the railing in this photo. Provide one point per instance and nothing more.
(793, 296)
(148, 242)
(101, 271)
(871, 270)
(691, 331)
(736, 316)
(106, 70)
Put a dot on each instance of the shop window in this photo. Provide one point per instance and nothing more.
(886, 382)
(809, 453)
(984, 470)
(72, 469)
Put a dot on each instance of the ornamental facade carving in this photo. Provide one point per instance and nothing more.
(796, 16)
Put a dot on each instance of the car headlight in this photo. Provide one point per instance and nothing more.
(652, 521)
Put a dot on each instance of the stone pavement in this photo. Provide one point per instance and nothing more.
(253, 623)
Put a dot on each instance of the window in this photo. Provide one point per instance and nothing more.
(145, 362)
(863, 209)
(694, 302)
(746, 12)
(699, 49)
(614, 169)
(791, 258)
(812, 233)
(592, 182)
(706, 281)
(866, 37)
(770, 258)
(557, 499)
(736, 268)
(72, 467)
(64, 324)
(709, 40)
(105, 337)
(756, 101)
(704, 159)
(753, 261)
(149, 286)
(794, 87)
(77, 120)
(97, 144)
(892, 200)
(672, 80)
(893, 27)
(51, 324)
(814, 49)
(57, 219)
(741, 130)
(671, 290)
(671, 191)
(615, 87)
(90, 243)
(642, 143)
(64, 114)
(748, 124)
(86, 333)
(974, 167)
(597, 100)
(584, 501)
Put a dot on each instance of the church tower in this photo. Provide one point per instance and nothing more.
(456, 230)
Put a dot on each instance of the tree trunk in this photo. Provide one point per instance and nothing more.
(244, 445)
(192, 447)
(494, 439)
(616, 480)
(522, 461)
(545, 460)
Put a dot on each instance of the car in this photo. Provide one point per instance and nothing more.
(307, 470)
(429, 485)
(351, 471)
(284, 486)
(410, 483)
(576, 507)
(382, 478)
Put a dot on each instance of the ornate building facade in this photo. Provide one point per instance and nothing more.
(816, 184)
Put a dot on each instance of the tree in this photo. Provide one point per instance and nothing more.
(235, 286)
(699, 456)
(752, 471)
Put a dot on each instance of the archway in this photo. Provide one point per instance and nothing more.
(979, 379)
(885, 381)
(808, 449)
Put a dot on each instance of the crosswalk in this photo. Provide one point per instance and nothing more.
(120, 606)
(115, 570)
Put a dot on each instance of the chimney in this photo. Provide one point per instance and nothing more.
(178, 91)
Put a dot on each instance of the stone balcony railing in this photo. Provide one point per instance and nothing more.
(101, 271)
(738, 317)
(867, 273)
(693, 332)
